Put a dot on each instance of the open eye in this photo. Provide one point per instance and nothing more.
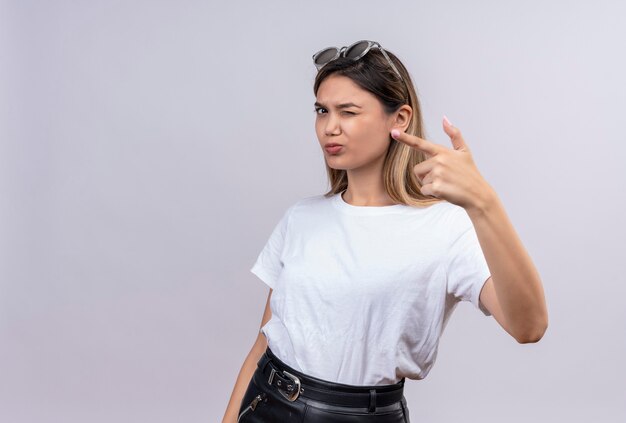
(317, 110)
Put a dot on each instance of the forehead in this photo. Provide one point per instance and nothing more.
(337, 89)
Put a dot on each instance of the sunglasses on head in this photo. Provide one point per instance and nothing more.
(354, 51)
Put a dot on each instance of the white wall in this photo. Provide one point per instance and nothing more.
(148, 148)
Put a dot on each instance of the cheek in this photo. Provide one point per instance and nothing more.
(319, 131)
(368, 128)
(374, 138)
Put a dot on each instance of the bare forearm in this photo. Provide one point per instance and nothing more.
(243, 379)
(516, 280)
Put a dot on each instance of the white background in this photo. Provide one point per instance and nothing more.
(148, 148)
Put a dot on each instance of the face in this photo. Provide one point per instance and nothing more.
(361, 127)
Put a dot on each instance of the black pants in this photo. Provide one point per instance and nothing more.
(278, 393)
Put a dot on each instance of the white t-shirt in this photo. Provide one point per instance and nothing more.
(362, 294)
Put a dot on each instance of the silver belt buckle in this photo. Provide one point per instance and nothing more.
(296, 381)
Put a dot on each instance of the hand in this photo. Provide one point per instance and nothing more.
(448, 173)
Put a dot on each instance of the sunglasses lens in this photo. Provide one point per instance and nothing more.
(355, 51)
(325, 56)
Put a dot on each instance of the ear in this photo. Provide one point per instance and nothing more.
(402, 117)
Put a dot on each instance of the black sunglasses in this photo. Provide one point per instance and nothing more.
(354, 51)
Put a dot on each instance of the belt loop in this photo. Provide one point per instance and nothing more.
(372, 406)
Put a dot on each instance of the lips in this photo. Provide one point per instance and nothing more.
(333, 148)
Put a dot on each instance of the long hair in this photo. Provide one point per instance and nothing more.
(373, 73)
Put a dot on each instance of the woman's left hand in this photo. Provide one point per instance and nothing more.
(448, 173)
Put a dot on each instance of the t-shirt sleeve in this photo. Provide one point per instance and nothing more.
(268, 264)
(466, 269)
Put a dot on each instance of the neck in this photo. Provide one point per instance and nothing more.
(366, 188)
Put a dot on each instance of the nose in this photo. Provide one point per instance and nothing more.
(332, 127)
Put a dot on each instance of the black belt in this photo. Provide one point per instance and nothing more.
(292, 384)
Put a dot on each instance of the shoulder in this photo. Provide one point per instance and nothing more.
(451, 219)
(458, 224)
(451, 211)
(304, 207)
(446, 213)
(308, 204)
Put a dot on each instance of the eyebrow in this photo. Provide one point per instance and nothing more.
(339, 106)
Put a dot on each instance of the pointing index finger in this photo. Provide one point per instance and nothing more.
(415, 142)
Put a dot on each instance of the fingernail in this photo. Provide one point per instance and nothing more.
(445, 119)
(395, 133)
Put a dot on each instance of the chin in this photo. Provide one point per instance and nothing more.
(338, 166)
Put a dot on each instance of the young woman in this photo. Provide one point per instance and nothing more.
(364, 278)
